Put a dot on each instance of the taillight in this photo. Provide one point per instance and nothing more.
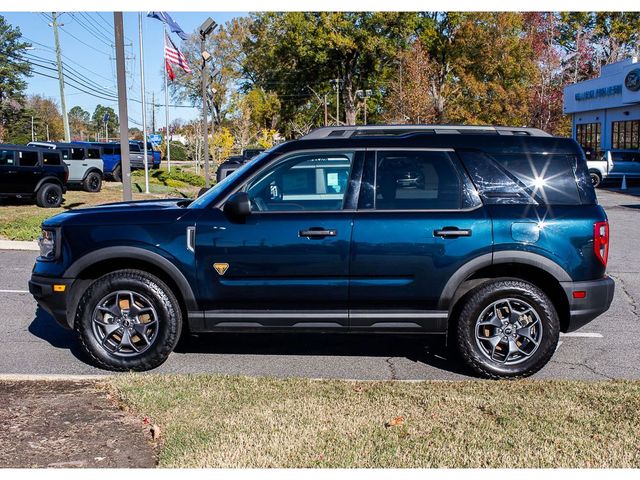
(601, 241)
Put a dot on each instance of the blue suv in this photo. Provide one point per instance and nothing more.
(491, 237)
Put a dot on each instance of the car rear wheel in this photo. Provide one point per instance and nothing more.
(128, 320)
(596, 178)
(92, 182)
(507, 329)
(49, 195)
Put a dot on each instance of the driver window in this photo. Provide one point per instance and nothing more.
(309, 181)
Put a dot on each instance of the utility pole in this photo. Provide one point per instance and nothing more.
(326, 112)
(63, 105)
(153, 112)
(166, 105)
(121, 75)
(205, 29)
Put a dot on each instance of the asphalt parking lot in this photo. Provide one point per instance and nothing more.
(606, 348)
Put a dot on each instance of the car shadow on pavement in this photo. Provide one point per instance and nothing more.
(426, 349)
(46, 328)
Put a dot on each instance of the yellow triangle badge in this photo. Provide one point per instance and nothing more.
(221, 268)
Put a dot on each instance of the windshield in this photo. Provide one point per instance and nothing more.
(213, 191)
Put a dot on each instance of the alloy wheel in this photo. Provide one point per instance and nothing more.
(508, 331)
(125, 323)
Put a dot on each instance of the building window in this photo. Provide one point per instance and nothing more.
(625, 135)
(588, 135)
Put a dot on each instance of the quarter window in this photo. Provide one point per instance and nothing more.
(50, 158)
(311, 181)
(417, 180)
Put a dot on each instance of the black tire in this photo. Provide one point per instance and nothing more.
(160, 297)
(477, 301)
(596, 178)
(117, 174)
(92, 182)
(49, 195)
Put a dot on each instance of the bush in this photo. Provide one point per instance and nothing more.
(178, 152)
(164, 177)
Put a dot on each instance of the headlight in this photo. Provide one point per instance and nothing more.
(47, 244)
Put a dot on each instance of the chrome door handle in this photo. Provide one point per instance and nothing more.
(452, 232)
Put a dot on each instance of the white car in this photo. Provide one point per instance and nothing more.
(86, 168)
(599, 167)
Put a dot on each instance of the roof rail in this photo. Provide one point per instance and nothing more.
(399, 130)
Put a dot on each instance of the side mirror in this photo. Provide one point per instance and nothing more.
(237, 205)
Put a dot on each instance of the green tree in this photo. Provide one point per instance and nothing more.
(616, 35)
(97, 121)
(297, 54)
(46, 116)
(13, 70)
(79, 120)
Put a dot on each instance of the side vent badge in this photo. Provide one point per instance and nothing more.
(221, 268)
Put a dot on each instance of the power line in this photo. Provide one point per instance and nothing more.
(92, 31)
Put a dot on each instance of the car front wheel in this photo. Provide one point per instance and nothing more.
(596, 178)
(507, 329)
(128, 320)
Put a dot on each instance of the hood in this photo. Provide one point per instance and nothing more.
(138, 211)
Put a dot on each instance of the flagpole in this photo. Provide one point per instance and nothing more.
(144, 107)
(166, 103)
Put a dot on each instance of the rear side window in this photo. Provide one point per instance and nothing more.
(93, 153)
(28, 159)
(525, 178)
(65, 153)
(7, 157)
(77, 153)
(107, 150)
(419, 180)
(51, 158)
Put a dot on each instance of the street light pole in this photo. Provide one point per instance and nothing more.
(205, 29)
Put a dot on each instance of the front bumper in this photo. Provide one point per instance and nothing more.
(54, 302)
(597, 300)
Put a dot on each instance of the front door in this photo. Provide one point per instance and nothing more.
(418, 220)
(287, 263)
(8, 171)
(29, 171)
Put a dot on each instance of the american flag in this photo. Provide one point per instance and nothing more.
(175, 56)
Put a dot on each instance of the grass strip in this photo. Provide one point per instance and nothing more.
(225, 421)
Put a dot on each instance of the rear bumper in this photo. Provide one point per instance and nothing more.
(597, 300)
(55, 303)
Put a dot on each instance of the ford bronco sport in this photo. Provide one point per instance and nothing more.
(489, 236)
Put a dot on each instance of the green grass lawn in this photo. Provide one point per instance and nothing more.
(223, 421)
(20, 220)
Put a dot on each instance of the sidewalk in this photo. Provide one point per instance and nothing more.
(18, 245)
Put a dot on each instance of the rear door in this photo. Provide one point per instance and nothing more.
(419, 219)
(29, 171)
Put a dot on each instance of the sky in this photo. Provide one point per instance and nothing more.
(86, 42)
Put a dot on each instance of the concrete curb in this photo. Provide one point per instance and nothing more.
(18, 245)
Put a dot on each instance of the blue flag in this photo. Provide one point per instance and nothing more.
(166, 18)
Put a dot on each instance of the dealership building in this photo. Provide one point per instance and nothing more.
(605, 111)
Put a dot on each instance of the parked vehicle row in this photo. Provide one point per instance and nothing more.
(42, 171)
